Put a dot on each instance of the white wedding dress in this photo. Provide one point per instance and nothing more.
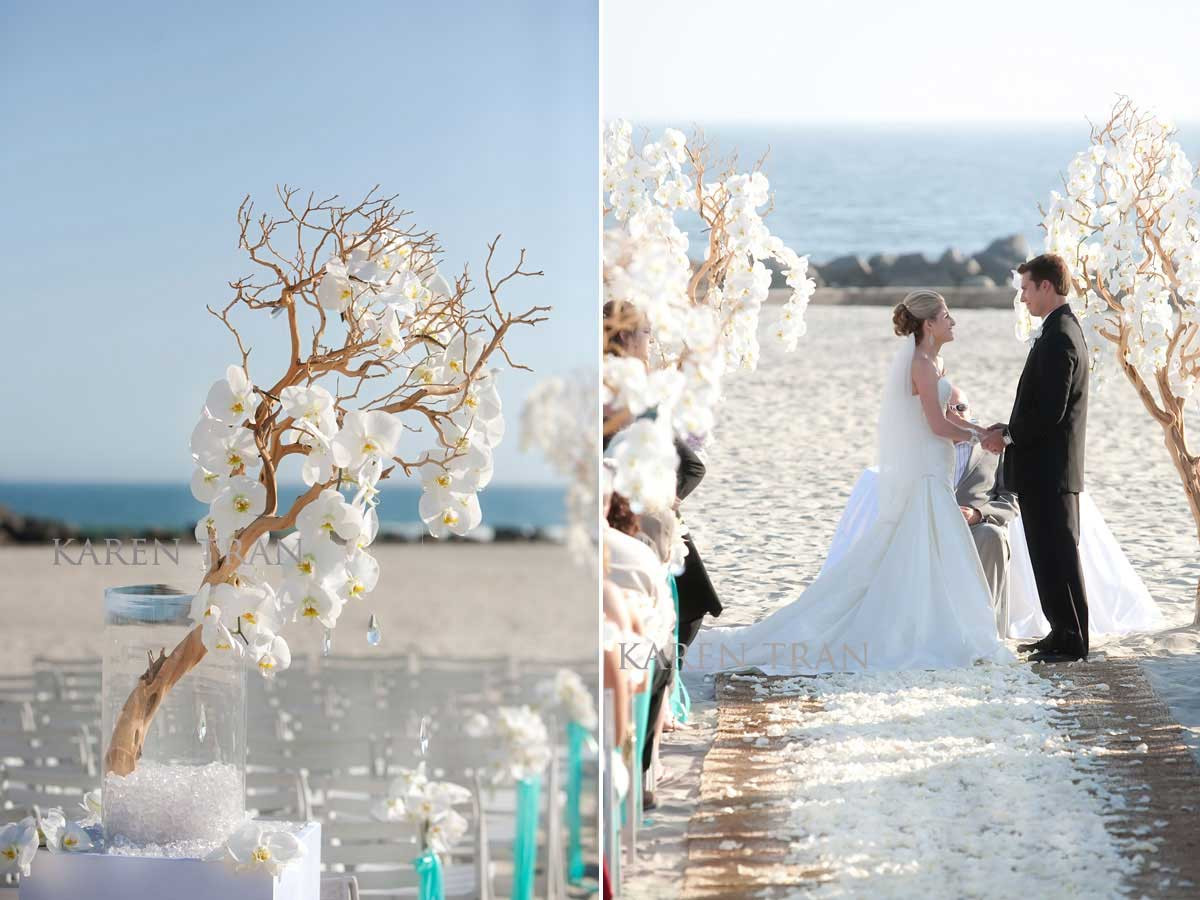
(909, 594)
(1118, 601)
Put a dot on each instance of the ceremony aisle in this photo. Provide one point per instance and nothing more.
(979, 782)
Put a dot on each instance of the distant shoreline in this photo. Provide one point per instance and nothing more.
(956, 297)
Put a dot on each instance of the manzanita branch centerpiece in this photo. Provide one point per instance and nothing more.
(388, 371)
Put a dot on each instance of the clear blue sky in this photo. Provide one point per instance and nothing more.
(132, 131)
(882, 61)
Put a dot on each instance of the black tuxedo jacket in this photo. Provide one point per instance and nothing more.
(1049, 414)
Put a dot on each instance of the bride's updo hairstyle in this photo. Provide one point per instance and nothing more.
(917, 307)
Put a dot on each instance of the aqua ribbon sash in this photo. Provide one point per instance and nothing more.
(429, 868)
(525, 844)
(641, 718)
(681, 703)
(576, 738)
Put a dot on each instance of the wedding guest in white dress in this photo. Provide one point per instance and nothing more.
(910, 593)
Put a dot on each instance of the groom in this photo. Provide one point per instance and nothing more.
(1043, 457)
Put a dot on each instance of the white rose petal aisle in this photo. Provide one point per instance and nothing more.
(387, 371)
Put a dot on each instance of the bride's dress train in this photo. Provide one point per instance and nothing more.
(909, 594)
(1118, 601)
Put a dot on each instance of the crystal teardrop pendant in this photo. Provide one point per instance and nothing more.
(374, 635)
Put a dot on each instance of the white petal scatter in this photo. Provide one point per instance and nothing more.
(958, 783)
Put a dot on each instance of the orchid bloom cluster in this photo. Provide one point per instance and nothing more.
(383, 321)
(523, 738)
(1128, 227)
(429, 805)
(703, 322)
(559, 419)
(19, 841)
(258, 848)
(568, 692)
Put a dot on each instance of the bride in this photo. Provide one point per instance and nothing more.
(910, 593)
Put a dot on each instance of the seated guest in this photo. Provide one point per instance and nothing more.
(628, 334)
(641, 574)
(987, 506)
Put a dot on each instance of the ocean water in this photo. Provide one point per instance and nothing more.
(96, 506)
(868, 189)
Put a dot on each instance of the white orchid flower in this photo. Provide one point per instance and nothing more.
(426, 372)
(255, 609)
(270, 652)
(471, 459)
(380, 263)
(240, 502)
(49, 824)
(312, 408)
(370, 529)
(485, 432)
(73, 839)
(328, 515)
(444, 832)
(217, 637)
(223, 448)
(255, 848)
(233, 399)
(459, 357)
(206, 485)
(362, 574)
(414, 290)
(322, 460)
(367, 436)
(390, 332)
(312, 601)
(319, 559)
(569, 691)
(91, 803)
(472, 470)
(523, 738)
(445, 514)
(202, 535)
(18, 845)
(482, 398)
(334, 292)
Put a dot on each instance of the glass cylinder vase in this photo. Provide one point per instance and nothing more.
(186, 792)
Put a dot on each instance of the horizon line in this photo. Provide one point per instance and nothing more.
(185, 484)
(659, 119)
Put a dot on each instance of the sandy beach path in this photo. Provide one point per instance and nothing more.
(531, 601)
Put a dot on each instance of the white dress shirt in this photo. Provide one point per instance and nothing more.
(962, 455)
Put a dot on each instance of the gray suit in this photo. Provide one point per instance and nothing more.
(982, 487)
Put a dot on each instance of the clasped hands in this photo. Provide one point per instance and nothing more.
(992, 438)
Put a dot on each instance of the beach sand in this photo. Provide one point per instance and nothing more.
(791, 440)
(531, 600)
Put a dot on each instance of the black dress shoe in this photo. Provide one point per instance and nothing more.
(1055, 655)
(1045, 643)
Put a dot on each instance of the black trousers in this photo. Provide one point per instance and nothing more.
(1051, 522)
(664, 676)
